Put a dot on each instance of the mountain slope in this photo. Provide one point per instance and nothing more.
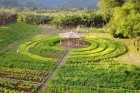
(50, 3)
(80, 4)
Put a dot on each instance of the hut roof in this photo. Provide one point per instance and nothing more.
(71, 35)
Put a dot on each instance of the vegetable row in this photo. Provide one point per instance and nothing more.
(106, 49)
(24, 51)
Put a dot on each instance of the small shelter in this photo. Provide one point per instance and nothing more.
(73, 38)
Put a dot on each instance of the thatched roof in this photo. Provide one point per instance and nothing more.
(71, 35)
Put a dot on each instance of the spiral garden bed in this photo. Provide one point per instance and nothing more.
(93, 70)
(87, 70)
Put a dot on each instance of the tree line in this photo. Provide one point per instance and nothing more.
(7, 17)
(124, 18)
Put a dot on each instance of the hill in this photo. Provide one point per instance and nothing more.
(14, 32)
(51, 3)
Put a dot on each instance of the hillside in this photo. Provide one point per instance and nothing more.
(80, 4)
(51, 3)
(14, 32)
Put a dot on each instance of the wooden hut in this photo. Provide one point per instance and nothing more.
(73, 38)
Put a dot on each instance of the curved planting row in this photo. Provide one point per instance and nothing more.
(106, 49)
(93, 45)
(101, 47)
(24, 50)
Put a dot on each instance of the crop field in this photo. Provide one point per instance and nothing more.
(93, 70)
(90, 69)
(24, 72)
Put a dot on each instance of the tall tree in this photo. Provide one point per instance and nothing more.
(107, 7)
(126, 20)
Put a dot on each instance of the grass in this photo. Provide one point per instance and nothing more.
(132, 56)
(14, 32)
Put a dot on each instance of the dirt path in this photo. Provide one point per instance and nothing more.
(54, 72)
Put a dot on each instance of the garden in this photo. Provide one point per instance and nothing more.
(33, 60)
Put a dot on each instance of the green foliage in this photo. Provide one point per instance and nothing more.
(105, 49)
(92, 78)
(81, 76)
(5, 90)
(123, 15)
(87, 20)
(107, 5)
(24, 51)
(62, 18)
(34, 19)
(125, 22)
(25, 73)
(12, 59)
(18, 85)
(48, 48)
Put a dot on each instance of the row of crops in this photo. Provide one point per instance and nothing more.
(87, 20)
(93, 70)
(34, 19)
(24, 72)
(48, 48)
(105, 49)
(65, 21)
(7, 17)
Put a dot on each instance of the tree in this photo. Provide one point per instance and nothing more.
(107, 7)
(125, 21)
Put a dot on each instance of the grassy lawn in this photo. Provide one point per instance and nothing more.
(12, 34)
